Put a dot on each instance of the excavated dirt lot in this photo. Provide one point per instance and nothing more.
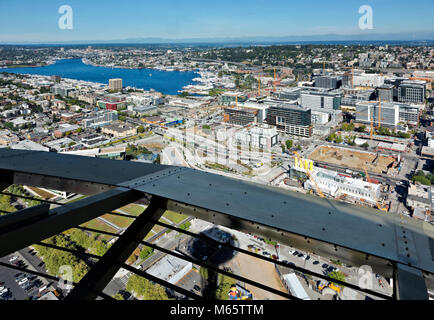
(351, 159)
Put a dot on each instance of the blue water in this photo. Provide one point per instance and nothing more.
(167, 82)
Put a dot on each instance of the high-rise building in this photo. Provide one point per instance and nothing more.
(291, 119)
(412, 91)
(324, 101)
(115, 84)
(241, 116)
(328, 82)
(385, 93)
(100, 119)
(388, 116)
(368, 80)
(262, 136)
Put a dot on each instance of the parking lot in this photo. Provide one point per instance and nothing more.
(16, 285)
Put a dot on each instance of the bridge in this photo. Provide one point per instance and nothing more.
(395, 246)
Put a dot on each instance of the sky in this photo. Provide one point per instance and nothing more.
(37, 21)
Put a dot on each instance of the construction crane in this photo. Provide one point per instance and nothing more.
(368, 179)
(259, 86)
(318, 190)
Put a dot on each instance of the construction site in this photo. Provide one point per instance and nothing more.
(353, 159)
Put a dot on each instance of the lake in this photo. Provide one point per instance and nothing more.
(166, 82)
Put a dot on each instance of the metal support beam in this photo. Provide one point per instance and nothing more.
(64, 218)
(410, 283)
(25, 216)
(107, 267)
(6, 179)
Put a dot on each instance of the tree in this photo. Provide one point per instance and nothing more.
(145, 289)
(338, 276)
(118, 296)
(140, 129)
(146, 252)
(339, 139)
(289, 144)
(362, 128)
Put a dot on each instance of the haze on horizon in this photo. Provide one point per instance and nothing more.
(26, 21)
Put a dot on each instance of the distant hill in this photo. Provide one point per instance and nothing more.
(362, 37)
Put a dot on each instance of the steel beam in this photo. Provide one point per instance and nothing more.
(351, 234)
(410, 283)
(65, 217)
(106, 268)
(25, 216)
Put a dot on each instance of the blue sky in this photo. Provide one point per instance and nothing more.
(30, 20)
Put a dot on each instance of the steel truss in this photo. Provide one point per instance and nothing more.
(395, 246)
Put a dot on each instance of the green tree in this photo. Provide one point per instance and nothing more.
(145, 289)
(338, 276)
(140, 129)
(118, 296)
(146, 252)
(289, 144)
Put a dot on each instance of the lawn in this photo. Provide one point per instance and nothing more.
(99, 225)
(133, 209)
(174, 217)
(121, 222)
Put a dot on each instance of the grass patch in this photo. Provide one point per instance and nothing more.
(174, 217)
(99, 225)
(133, 209)
(121, 222)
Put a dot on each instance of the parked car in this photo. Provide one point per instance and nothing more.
(13, 258)
(23, 281)
(307, 258)
(196, 287)
(325, 266)
(315, 262)
(274, 257)
(295, 253)
(300, 255)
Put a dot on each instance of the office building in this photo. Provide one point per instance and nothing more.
(262, 136)
(61, 90)
(115, 84)
(324, 101)
(240, 116)
(385, 93)
(100, 119)
(328, 82)
(319, 117)
(388, 116)
(231, 98)
(412, 91)
(291, 119)
(368, 80)
(119, 130)
(289, 94)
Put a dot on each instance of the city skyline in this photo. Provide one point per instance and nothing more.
(26, 22)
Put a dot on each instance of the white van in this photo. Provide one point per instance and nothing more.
(23, 281)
